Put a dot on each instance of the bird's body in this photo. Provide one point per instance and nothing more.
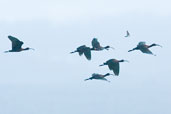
(96, 45)
(113, 65)
(84, 50)
(99, 77)
(16, 45)
(144, 48)
(127, 34)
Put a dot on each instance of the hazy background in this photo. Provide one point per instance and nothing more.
(49, 80)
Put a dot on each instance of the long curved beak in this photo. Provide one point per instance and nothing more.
(6, 51)
(73, 52)
(159, 45)
(130, 50)
(32, 49)
(112, 48)
(101, 65)
(126, 61)
(86, 79)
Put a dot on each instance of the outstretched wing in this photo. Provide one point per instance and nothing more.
(141, 43)
(16, 44)
(95, 75)
(114, 66)
(127, 34)
(146, 50)
(95, 44)
(104, 79)
(87, 53)
(81, 49)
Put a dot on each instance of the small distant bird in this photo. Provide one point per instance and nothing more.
(113, 64)
(83, 50)
(17, 45)
(144, 48)
(127, 34)
(99, 77)
(97, 47)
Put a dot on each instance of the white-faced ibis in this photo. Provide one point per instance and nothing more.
(113, 64)
(83, 50)
(99, 77)
(144, 48)
(17, 45)
(97, 47)
(127, 34)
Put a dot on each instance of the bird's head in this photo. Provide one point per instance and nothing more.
(103, 64)
(107, 47)
(124, 61)
(94, 38)
(108, 74)
(156, 45)
(28, 48)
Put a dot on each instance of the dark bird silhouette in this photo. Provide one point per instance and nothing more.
(97, 47)
(17, 45)
(127, 34)
(113, 64)
(99, 77)
(83, 50)
(144, 48)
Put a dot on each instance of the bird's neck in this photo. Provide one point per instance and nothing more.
(151, 45)
(24, 49)
(107, 47)
(106, 75)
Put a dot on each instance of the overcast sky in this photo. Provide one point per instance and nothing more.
(49, 80)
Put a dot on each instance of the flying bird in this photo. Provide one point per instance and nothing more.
(17, 45)
(144, 48)
(97, 47)
(113, 65)
(98, 77)
(83, 50)
(127, 34)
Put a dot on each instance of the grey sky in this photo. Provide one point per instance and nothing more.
(50, 80)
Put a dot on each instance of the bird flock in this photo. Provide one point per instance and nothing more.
(113, 64)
